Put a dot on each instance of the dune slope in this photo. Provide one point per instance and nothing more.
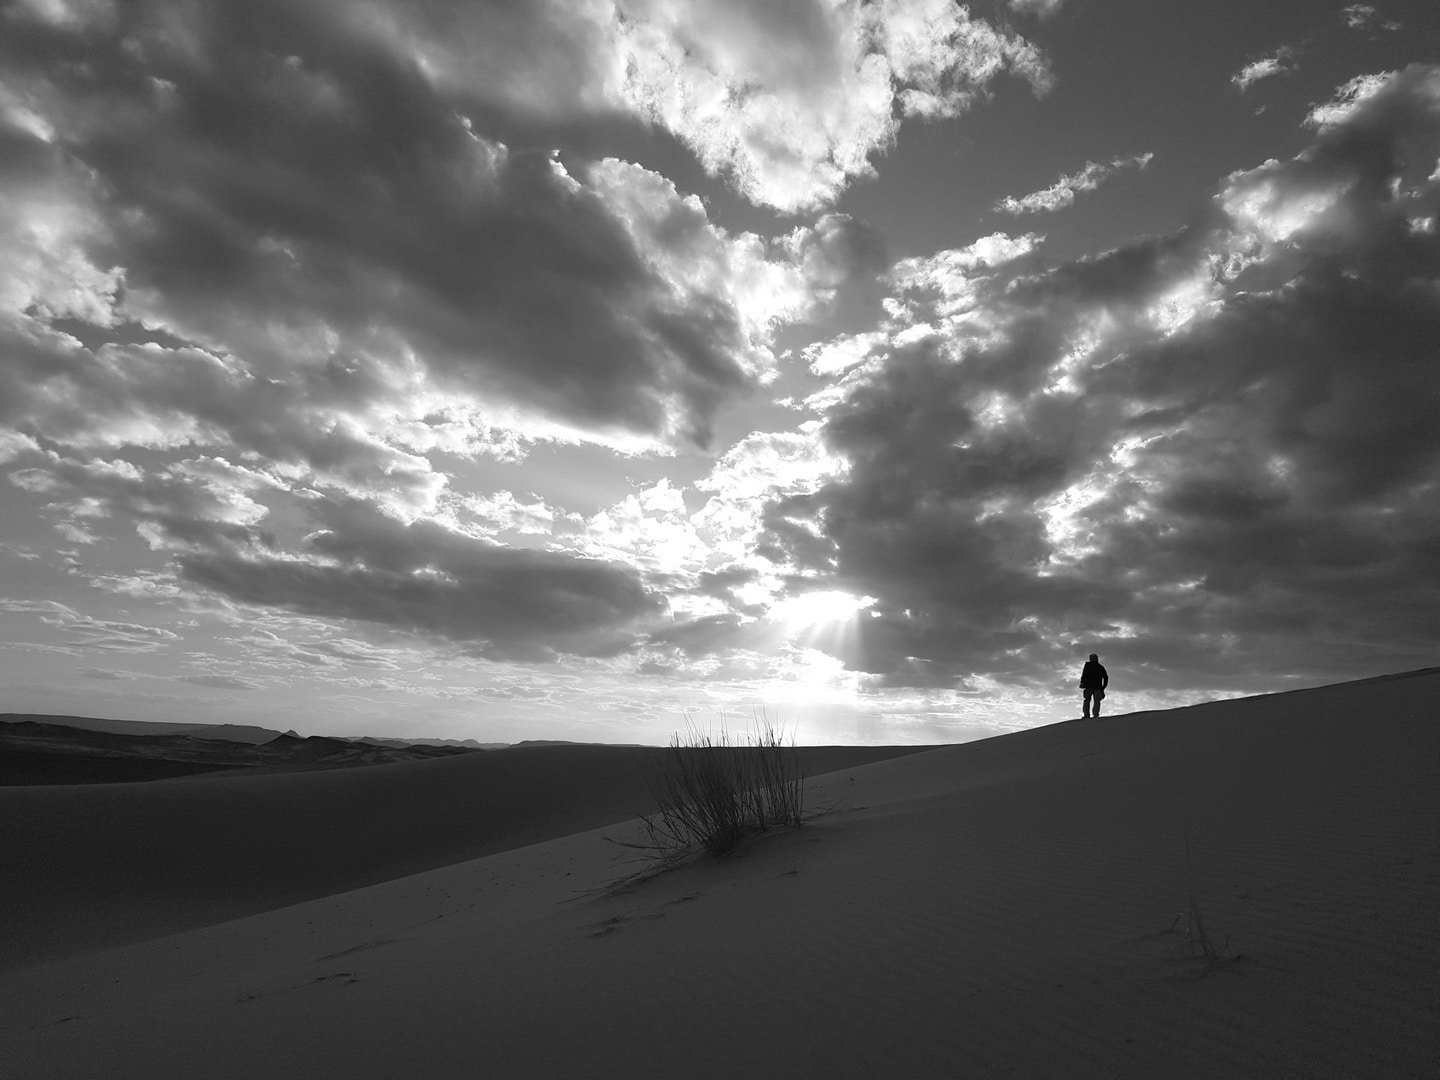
(108, 864)
(1007, 907)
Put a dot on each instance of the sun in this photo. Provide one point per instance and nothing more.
(818, 609)
(818, 633)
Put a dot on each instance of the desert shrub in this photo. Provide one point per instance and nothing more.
(712, 790)
(1201, 948)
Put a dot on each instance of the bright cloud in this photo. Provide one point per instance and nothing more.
(79, 633)
(1043, 8)
(1282, 62)
(1062, 193)
(1366, 17)
(790, 101)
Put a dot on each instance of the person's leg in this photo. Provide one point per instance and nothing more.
(1085, 703)
(1095, 705)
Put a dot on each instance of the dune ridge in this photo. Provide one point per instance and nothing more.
(1005, 907)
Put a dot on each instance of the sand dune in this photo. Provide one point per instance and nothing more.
(1002, 908)
(109, 864)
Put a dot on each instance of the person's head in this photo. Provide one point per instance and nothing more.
(1093, 656)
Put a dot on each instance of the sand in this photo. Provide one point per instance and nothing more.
(1000, 908)
(100, 865)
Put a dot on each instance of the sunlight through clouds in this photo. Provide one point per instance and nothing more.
(818, 610)
(585, 359)
(1184, 302)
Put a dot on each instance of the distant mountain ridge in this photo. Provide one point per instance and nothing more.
(239, 733)
(568, 742)
(34, 752)
(380, 740)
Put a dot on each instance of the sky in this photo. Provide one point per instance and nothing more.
(508, 369)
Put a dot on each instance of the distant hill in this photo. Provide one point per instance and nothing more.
(379, 740)
(567, 742)
(239, 733)
(33, 753)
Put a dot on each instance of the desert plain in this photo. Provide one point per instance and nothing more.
(1245, 888)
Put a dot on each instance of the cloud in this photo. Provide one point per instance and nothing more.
(1207, 455)
(175, 507)
(702, 636)
(308, 644)
(502, 512)
(1062, 193)
(264, 259)
(418, 576)
(790, 101)
(842, 261)
(1366, 17)
(705, 561)
(82, 633)
(1042, 8)
(1281, 63)
(106, 675)
(220, 682)
(425, 578)
(267, 260)
(293, 198)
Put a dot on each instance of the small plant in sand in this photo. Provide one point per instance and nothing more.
(1201, 946)
(712, 790)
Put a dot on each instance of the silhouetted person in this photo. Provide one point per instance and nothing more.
(1093, 680)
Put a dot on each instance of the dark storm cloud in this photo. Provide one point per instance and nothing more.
(279, 186)
(1207, 455)
(508, 603)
